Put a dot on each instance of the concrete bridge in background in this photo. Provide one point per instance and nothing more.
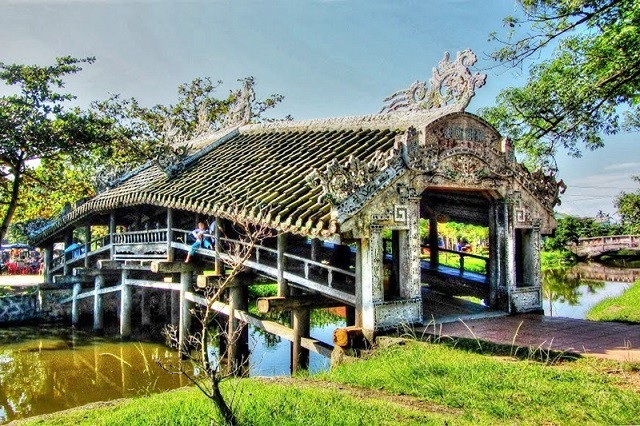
(595, 247)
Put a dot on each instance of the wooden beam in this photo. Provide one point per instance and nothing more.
(204, 281)
(165, 267)
(120, 265)
(268, 304)
(161, 285)
(349, 337)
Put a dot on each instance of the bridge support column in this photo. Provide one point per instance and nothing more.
(98, 314)
(283, 285)
(145, 309)
(125, 306)
(75, 308)
(175, 302)
(185, 314)
(301, 327)
(237, 332)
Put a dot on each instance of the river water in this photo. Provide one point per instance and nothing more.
(44, 370)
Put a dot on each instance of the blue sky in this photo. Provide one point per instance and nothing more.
(327, 57)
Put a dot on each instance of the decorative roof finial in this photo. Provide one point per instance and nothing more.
(240, 111)
(451, 86)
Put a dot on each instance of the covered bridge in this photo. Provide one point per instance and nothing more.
(330, 189)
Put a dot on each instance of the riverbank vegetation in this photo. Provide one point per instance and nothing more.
(623, 308)
(410, 383)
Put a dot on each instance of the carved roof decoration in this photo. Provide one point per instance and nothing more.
(451, 87)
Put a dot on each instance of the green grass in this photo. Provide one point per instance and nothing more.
(415, 383)
(491, 390)
(624, 308)
(263, 290)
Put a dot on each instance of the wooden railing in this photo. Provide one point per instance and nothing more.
(140, 237)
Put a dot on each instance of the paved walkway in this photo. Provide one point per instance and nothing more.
(21, 280)
(610, 340)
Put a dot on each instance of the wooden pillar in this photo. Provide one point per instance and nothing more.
(87, 245)
(218, 246)
(238, 332)
(112, 231)
(75, 307)
(125, 306)
(145, 309)
(185, 315)
(315, 249)
(283, 285)
(48, 260)
(175, 302)
(68, 240)
(434, 249)
(301, 319)
(170, 251)
(98, 314)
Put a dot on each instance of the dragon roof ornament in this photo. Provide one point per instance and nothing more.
(451, 87)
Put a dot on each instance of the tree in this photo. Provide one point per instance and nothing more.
(210, 371)
(588, 88)
(628, 205)
(34, 125)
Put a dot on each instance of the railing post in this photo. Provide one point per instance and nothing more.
(461, 263)
(125, 306)
(170, 251)
(218, 246)
(75, 307)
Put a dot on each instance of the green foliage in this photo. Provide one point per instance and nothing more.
(570, 228)
(628, 205)
(35, 125)
(263, 290)
(623, 308)
(573, 98)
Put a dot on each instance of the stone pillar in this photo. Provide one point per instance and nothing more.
(75, 307)
(185, 315)
(125, 306)
(145, 308)
(495, 263)
(87, 245)
(237, 332)
(301, 319)
(410, 272)
(357, 318)
(283, 285)
(98, 314)
(510, 252)
(170, 251)
(372, 290)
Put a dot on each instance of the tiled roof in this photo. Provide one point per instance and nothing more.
(256, 168)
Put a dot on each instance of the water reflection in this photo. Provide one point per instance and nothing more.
(573, 291)
(43, 370)
(43, 374)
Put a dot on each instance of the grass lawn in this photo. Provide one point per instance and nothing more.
(412, 384)
(624, 308)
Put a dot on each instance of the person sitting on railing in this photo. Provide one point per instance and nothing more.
(201, 240)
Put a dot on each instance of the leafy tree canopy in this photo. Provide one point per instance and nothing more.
(35, 125)
(628, 205)
(590, 86)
